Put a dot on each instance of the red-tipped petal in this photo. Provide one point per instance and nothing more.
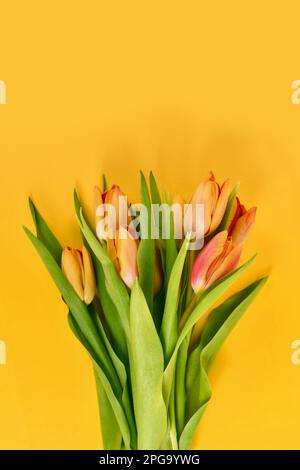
(237, 211)
(228, 264)
(243, 226)
(220, 207)
(205, 258)
(205, 194)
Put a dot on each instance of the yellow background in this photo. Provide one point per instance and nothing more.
(180, 88)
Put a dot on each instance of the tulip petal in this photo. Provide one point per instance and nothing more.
(243, 226)
(111, 211)
(112, 252)
(220, 207)
(89, 276)
(113, 197)
(191, 223)
(214, 195)
(228, 264)
(97, 198)
(127, 256)
(237, 211)
(206, 257)
(72, 269)
(99, 213)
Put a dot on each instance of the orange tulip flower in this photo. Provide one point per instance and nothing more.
(214, 197)
(216, 259)
(121, 242)
(222, 253)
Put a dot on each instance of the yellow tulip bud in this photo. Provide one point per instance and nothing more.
(77, 266)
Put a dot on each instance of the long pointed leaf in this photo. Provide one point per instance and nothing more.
(44, 233)
(219, 325)
(79, 311)
(170, 242)
(169, 329)
(155, 196)
(206, 302)
(146, 366)
(104, 183)
(122, 374)
(115, 287)
(111, 313)
(180, 389)
(224, 223)
(111, 434)
(146, 250)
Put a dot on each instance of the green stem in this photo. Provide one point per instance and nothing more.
(173, 430)
(191, 259)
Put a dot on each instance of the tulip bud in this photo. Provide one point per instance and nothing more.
(78, 268)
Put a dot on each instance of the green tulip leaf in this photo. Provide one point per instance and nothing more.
(44, 233)
(110, 313)
(231, 200)
(210, 297)
(116, 406)
(103, 365)
(220, 323)
(206, 301)
(172, 430)
(122, 374)
(116, 361)
(109, 308)
(146, 366)
(169, 327)
(79, 311)
(146, 250)
(180, 389)
(104, 183)
(114, 285)
(110, 430)
(170, 242)
(155, 196)
(111, 434)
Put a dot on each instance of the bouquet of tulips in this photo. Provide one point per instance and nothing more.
(143, 299)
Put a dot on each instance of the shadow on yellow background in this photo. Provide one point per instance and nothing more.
(180, 89)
